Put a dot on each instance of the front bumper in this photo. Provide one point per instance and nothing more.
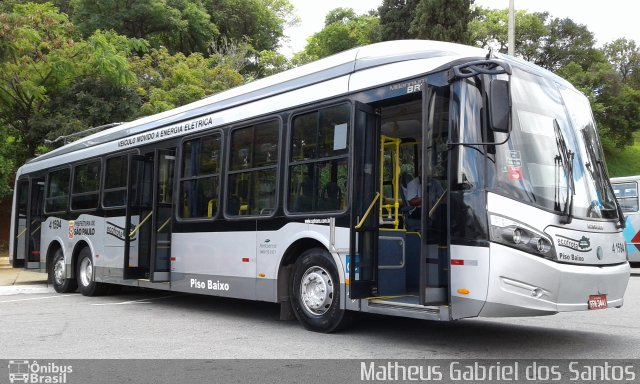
(521, 284)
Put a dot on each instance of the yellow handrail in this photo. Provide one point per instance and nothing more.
(437, 204)
(132, 233)
(164, 225)
(393, 209)
(21, 233)
(366, 214)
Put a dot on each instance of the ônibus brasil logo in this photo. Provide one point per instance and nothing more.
(582, 245)
(24, 371)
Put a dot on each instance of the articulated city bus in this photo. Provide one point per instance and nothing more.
(626, 191)
(305, 189)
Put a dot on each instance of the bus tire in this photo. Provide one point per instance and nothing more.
(85, 275)
(58, 269)
(315, 288)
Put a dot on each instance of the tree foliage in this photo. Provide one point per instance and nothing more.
(343, 30)
(395, 19)
(259, 22)
(168, 81)
(444, 20)
(179, 25)
(39, 57)
(624, 55)
(551, 43)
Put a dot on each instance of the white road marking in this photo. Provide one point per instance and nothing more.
(35, 298)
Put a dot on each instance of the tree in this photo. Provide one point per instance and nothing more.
(489, 30)
(566, 42)
(445, 20)
(624, 55)
(42, 56)
(551, 43)
(167, 81)
(180, 25)
(259, 22)
(395, 19)
(343, 30)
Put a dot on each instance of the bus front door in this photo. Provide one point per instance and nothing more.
(365, 201)
(149, 215)
(434, 266)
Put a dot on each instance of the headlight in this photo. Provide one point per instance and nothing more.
(517, 235)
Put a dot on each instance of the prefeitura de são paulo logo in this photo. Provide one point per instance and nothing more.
(25, 371)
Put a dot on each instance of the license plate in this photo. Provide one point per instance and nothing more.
(597, 301)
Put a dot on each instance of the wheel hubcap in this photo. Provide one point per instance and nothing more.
(59, 272)
(316, 289)
(86, 271)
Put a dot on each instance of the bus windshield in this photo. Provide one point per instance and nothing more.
(553, 158)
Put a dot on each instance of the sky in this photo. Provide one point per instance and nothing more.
(608, 20)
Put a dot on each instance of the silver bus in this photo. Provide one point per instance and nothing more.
(626, 191)
(295, 189)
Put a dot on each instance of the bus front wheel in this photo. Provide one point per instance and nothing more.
(58, 272)
(316, 292)
(85, 277)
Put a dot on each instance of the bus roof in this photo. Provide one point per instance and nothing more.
(333, 67)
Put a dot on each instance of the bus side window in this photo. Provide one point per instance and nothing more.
(200, 177)
(58, 191)
(251, 184)
(318, 183)
(86, 186)
(115, 182)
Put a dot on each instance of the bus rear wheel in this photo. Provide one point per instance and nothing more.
(58, 273)
(316, 292)
(85, 275)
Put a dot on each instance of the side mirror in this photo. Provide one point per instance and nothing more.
(499, 105)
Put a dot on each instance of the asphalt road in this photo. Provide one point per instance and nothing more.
(37, 323)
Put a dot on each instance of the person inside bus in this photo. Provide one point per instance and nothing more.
(413, 193)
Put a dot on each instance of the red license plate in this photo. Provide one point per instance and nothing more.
(598, 301)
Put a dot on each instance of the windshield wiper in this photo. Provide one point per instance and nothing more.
(601, 168)
(565, 160)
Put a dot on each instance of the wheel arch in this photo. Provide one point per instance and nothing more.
(293, 252)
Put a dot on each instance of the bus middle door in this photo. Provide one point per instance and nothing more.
(149, 214)
(365, 201)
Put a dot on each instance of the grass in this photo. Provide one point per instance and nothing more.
(625, 162)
